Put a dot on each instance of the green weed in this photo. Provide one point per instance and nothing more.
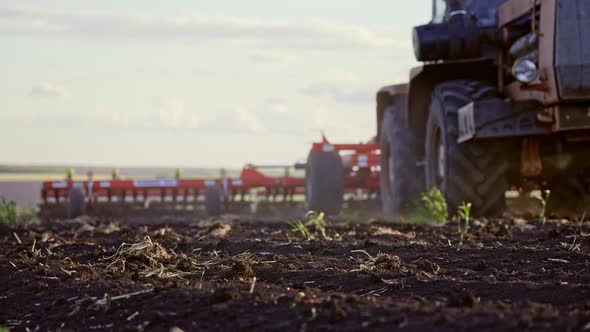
(317, 221)
(8, 214)
(314, 221)
(178, 173)
(299, 227)
(464, 211)
(70, 172)
(431, 208)
(11, 215)
(4, 329)
(544, 199)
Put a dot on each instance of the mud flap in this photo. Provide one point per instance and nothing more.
(497, 118)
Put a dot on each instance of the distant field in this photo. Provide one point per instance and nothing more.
(23, 183)
(24, 193)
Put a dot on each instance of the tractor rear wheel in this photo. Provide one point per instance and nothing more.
(76, 205)
(213, 201)
(324, 182)
(400, 179)
(471, 172)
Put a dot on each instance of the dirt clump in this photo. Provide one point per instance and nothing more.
(388, 262)
(480, 266)
(463, 298)
(241, 267)
(223, 295)
(427, 266)
(219, 230)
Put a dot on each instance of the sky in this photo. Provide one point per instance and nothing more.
(195, 83)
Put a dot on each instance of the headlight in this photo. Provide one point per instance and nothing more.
(525, 71)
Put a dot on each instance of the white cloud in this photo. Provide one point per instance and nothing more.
(316, 35)
(267, 58)
(248, 122)
(112, 117)
(276, 105)
(48, 90)
(341, 92)
(174, 114)
(320, 119)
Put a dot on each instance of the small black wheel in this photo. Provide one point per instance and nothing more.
(401, 181)
(213, 201)
(474, 172)
(324, 182)
(76, 204)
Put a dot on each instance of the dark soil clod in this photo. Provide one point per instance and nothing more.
(224, 295)
(480, 266)
(463, 298)
(388, 262)
(243, 269)
(427, 266)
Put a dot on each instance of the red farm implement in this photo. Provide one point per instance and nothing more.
(176, 194)
(332, 171)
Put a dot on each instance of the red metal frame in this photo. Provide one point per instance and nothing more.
(175, 190)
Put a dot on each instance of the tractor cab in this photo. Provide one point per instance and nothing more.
(486, 11)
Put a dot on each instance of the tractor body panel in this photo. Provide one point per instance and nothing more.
(572, 49)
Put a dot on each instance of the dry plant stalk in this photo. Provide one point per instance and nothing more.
(157, 261)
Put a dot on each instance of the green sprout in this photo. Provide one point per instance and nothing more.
(115, 173)
(70, 172)
(299, 227)
(464, 211)
(544, 199)
(314, 220)
(178, 173)
(317, 221)
(8, 213)
(431, 207)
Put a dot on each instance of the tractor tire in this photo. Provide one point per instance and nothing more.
(570, 194)
(471, 172)
(324, 182)
(76, 204)
(213, 201)
(401, 181)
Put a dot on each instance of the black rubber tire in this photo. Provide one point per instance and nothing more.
(213, 201)
(570, 194)
(401, 181)
(76, 204)
(324, 182)
(474, 172)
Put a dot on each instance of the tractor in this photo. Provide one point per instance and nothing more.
(501, 101)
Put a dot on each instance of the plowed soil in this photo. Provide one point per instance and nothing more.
(235, 273)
